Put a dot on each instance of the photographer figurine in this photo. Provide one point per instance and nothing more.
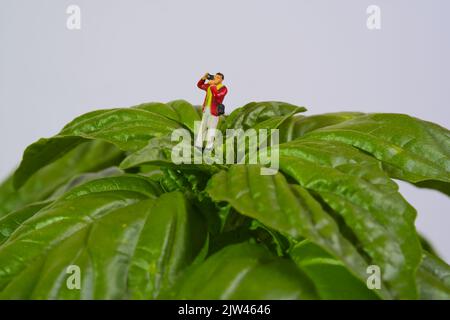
(212, 107)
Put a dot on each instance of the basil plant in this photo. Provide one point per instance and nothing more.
(101, 211)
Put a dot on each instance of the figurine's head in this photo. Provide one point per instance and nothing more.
(218, 78)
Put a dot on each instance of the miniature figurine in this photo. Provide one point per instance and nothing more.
(212, 108)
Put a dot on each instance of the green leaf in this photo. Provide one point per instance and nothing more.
(353, 185)
(129, 183)
(246, 271)
(178, 110)
(411, 149)
(330, 276)
(270, 238)
(298, 126)
(13, 220)
(255, 112)
(87, 157)
(191, 184)
(84, 178)
(62, 230)
(290, 210)
(170, 240)
(427, 246)
(433, 278)
(441, 186)
(97, 227)
(53, 223)
(159, 152)
(128, 129)
(102, 250)
(274, 122)
(337, 157)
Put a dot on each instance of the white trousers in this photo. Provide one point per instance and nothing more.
(207, 126)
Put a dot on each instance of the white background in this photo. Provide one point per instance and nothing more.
(318, 53)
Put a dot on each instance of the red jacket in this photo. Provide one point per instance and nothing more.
(217, 95)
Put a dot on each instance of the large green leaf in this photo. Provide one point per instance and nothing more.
(159, 152)
(87, 157)
(298, 126)
(433, 278)
(178, 110)
(129, 129)
(330, 276)
(97, 227)
(246, 271)
(128, 183)
(411, 149)
(171, 238)
(84, 178)
(255, 112)
(13, 220)
(64, 228)
(290, 210)
(353, 185)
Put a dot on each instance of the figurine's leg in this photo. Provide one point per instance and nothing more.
(201, 130)
(211, 134)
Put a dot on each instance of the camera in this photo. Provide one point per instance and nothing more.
(210, 77)
(221, 109)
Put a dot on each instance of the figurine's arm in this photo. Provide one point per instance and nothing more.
(202, 85)
(219, 93)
